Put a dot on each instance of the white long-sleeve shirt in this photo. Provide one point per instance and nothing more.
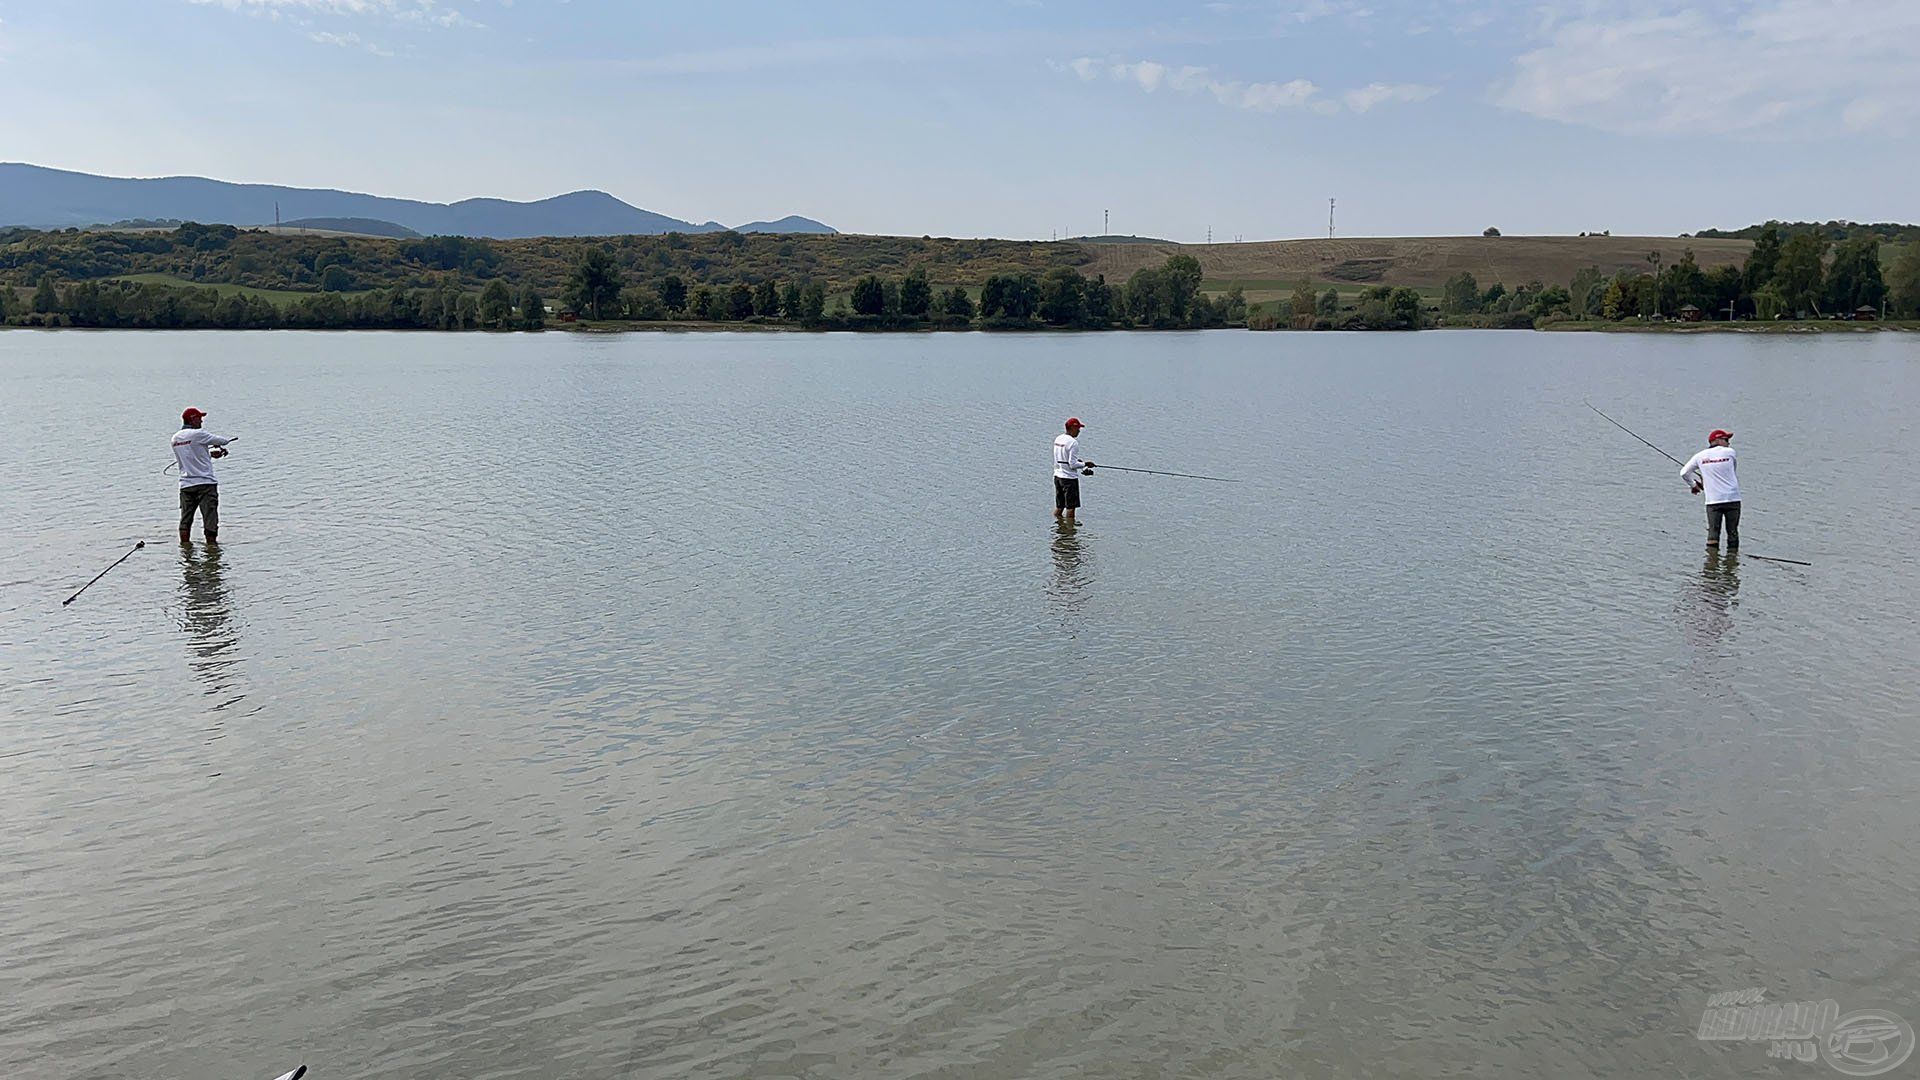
(1066, 457)
(1712, 468)
(192, 449)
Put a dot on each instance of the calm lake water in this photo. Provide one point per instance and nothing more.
(730, 705)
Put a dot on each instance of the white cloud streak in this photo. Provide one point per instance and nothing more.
(1375, 94)
(1783, 68)
(740, 59)
(350, 41)
(1268, 97)
(311, 7)
(424, 12)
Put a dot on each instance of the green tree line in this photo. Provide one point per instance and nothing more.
(1378, 307)
(147, 306)
(223, 255)
(1163, 297)
(1786, 275)
(1834, 231)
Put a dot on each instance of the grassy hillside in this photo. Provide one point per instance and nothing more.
(278, 296)
(1424, 262)
(295, 263)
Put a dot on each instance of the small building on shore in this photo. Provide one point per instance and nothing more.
(1690, 313)
(1865, 313)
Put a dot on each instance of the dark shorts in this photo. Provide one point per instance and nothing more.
(206, 499)
(1727, 513)
(1066, 494)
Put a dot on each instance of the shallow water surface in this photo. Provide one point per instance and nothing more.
(730, 705)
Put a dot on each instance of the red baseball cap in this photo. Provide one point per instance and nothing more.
(1716, 433)
(1074, 421)
(192, 414)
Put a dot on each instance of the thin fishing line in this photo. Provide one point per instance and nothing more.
(1629, 431)
(1160, 472)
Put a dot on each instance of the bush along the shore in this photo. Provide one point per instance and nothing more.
(216, 276)
(597, 293)
(1378, 307)
(1792, 273)
(146, 306)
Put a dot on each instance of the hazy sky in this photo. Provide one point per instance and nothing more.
(1005, 117)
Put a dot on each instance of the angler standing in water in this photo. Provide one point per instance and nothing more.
(1068, 467)
(195, 450)
(1711, 471)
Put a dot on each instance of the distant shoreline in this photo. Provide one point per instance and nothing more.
(1804, 326)
(686, 327)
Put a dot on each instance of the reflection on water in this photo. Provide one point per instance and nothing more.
(206, 614)
(1707, 607)
(1072, 572)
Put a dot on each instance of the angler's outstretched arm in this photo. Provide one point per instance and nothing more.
(1690, 472)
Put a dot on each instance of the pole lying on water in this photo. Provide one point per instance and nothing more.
(1157, 472)
(1682, 464)
(102, 574)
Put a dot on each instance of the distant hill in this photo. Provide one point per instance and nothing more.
(792, 223)
(353, 226)
(42, 198)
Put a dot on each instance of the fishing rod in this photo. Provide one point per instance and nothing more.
(1157, 472)
(1682, 464)
(1629, 431)
(103, 573)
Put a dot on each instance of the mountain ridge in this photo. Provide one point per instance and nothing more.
(36, 196)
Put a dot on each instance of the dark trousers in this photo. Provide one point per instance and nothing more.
(1066, 494)
(206, 499)
(1728, 512)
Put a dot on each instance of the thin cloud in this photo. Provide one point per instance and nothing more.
(740, 59)
(1376, 94)
(448, 17)
(349, 41)
(816, 52)
(1315, 10)
(425, 12)
(313, 7)
(1788, 68)
(1152, 76)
